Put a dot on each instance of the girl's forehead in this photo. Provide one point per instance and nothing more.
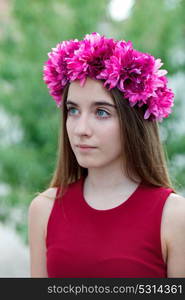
(92, 90)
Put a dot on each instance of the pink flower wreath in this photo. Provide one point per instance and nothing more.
(118, 64)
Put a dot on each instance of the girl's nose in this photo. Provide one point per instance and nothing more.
(82, 126)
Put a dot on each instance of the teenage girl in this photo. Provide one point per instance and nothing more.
(110, 210)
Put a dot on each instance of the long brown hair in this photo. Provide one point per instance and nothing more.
(143, 152)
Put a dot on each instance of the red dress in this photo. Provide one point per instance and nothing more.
(121, 242)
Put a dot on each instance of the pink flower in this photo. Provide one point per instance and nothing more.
(159, 106)
(89, 59)
(55, 69)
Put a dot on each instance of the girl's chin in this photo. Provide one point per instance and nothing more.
(87, 165)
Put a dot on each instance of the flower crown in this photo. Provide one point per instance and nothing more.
(118, 64)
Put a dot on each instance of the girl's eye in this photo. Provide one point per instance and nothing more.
(72, 110)
(102, 113)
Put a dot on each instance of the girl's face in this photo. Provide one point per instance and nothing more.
(92, 121)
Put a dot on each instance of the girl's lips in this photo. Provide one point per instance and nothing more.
(85, 148)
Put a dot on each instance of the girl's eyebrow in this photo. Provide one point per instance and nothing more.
(96, 103)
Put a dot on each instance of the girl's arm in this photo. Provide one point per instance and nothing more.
(38, 214)
(175, 236)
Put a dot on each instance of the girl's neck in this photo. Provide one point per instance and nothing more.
(105, 181)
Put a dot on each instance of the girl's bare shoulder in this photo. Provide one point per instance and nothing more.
(41, 206)
(44, 198)
(174, 221)
(175, 205)
(174, 216)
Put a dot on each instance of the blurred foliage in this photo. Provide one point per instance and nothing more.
(25, 39)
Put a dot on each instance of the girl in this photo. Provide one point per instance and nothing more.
(110, 210)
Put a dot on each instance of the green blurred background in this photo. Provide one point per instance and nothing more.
(29, 119)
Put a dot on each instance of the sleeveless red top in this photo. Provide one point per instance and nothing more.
(124, 241)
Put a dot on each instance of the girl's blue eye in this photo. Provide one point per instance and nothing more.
(71, 110)
(102, 113)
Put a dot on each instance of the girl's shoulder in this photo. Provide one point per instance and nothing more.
(44, 199)
(41, 206)
(174, 218)
(174, 228)
(175, 205)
